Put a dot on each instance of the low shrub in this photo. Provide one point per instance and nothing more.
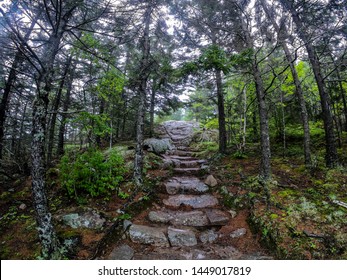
(91, 173)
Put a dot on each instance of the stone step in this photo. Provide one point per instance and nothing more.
(189, 185)
(181, 153)
(184, 158)
(181, 237)
(190, 163)
(189, 171)
(148, 235)
(195, 218)
(217, 217)
(194, 201)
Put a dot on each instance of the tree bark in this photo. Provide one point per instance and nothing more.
(151, 112)
(55, 108)
(64, 117)
(221, 113)
(265, 162)
(331, 152)
(297, 83)
(142, 89)
(50, 244)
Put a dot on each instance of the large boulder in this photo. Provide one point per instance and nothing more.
(180, 132)
(158, 146)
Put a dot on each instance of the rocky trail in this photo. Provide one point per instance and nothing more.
(189, 222)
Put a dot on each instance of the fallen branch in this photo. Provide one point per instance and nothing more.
(313, 235)
(340, 203)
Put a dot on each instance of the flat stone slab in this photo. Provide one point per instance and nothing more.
(188, 171)
(217, 217)
(195, 201)
(122, 252)
(181, 237)
(182, 157)
(181, 153)
(195, 218)
(185, 185)
(148, 235)
(189, 163)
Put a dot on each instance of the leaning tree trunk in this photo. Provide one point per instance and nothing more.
(297, 83)
(331, 152)
(221, 113)
(142, 88)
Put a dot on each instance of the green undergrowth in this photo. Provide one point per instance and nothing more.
(92, 172)
(296, 214)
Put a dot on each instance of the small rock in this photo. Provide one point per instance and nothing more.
(181, 237)
(211, 181)
(22, 206)
(233, 213)
(238, 233)
(126, 224)
(122, 252)
(217, 217)
(208, 236)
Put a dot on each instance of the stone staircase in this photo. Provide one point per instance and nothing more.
(189, 223)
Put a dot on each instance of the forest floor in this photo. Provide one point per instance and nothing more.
(294, 217)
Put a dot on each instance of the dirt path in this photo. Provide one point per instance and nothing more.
(189, 222)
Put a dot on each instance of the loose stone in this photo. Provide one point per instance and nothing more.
(181, 237)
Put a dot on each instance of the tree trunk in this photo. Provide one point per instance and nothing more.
(151, 112)
(331, 152)
(49, 242)
(55, 108)
(18, 60)
(297, 83)
(142, 88)
(221, 114)
(265, 163)
(64, 117)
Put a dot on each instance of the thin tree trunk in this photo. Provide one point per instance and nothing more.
(11, 79)
(331, 152)
(151, 112)
(64, 117)
(221, 113)
(297, 83)
(55, 108)
(143, 77)
(265, 162)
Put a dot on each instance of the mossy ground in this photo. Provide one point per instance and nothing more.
(294, 214)
(18, 234)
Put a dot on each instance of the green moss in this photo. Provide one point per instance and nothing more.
(286, 193)
(273, 216)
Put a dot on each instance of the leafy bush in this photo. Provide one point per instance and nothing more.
(91, 172)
